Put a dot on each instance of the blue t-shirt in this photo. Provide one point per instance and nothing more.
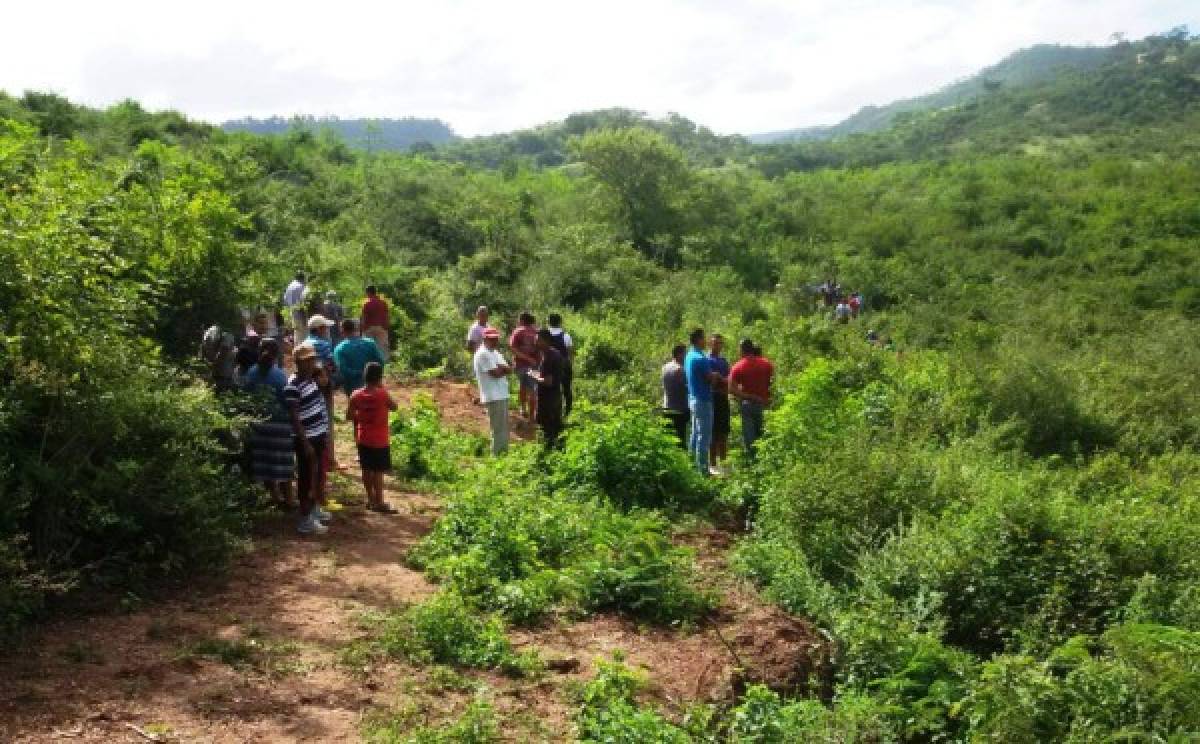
(273, 380)
(352, 356)
(697, 366)
(720, 365)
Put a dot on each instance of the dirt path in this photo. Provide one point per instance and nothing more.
(256, 657)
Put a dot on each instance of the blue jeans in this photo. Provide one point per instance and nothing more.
(752, 424)
(702, 426)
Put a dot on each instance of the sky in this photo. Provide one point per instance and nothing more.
(486, 66)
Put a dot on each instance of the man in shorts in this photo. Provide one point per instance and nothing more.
(524, 344)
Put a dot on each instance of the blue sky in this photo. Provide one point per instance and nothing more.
(487, 66)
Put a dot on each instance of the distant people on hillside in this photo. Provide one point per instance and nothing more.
(368, 410)
(719, 449)
(293, 300)
(855, 303)
(750, 383)
(475, 332)
(700, 380)
(549, 377)
(491, 373)
(374, 319)
(524, 346)
(218, 351)
(566, 346)
(353, 355)
(271, 441)
(675, 394)
(333, 310)
(842, 311)
(310, 426)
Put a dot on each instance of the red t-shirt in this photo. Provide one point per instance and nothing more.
(370, 407)
(523, 342)
(754, 374)
(374, 313)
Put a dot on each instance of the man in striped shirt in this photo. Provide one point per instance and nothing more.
(310, 423)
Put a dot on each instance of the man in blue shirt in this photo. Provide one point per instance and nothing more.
(700, 380)
(353, 354)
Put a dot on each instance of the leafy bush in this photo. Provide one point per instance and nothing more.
(447, 630)
(626, 454)
(422, 449)
(511, 543)
(609, 712)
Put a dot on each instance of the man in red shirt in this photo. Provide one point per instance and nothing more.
(750, 383)
(375, 319)
(524, 344)
(369, 408)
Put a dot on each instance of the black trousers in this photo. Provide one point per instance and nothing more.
(679, 424)
(550, 418)
(568, 395)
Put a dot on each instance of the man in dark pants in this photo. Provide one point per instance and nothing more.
(310, 424)
(549, 377)
(566, 346)
(675, 394)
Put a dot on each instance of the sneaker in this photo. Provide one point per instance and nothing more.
(310, 526)
(320, 515)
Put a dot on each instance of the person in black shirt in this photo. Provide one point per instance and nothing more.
(549, 378)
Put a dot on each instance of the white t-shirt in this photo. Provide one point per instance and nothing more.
(490, 388)
(475, 334)
(293, 296)
(566, 337)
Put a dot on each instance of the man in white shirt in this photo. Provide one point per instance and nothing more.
(475, 332)
(293, 298)
(491, 372)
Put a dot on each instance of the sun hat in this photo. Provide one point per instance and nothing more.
(319, 321)
(303, 352)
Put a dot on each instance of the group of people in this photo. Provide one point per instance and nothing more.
(293, 442)
(845, 305)
(543, 362)
(698, 382)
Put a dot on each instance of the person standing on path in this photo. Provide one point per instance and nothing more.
(719, 450)
(750, 383)
(491, 372)
(549, 378)
(675, 394)
(271, 442)
(475, 332)
(368, 410)
(524, 345)
(293, 300)
(318, 337)
(352, 356)
(565, 345)
(374, 320)
(310, 425)
(700, 380)
(333, 310)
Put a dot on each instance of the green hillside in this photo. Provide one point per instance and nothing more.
(990, 507)
(379, 134)
(1025, 67)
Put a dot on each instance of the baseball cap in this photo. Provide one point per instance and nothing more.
(491, 333)
(304, 352)
(319, 321)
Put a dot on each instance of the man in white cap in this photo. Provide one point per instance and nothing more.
(318, 339)
(491, 372)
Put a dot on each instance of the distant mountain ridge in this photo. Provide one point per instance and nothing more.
(381, 134)
(1021, 68)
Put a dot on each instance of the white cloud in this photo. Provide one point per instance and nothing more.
(487, 66)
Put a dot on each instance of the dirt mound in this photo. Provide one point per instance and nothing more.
(777, 650)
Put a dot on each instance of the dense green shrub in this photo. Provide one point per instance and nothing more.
(609, 711)
(422, 449)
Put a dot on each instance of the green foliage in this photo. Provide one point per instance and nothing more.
(609, 711)
(447, 630)
(476, 725)
(511, 542)
(422, 449)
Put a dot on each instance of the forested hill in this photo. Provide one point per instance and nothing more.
(549, 144)
(374, 134)
(1024, 67)
(1148, 90)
